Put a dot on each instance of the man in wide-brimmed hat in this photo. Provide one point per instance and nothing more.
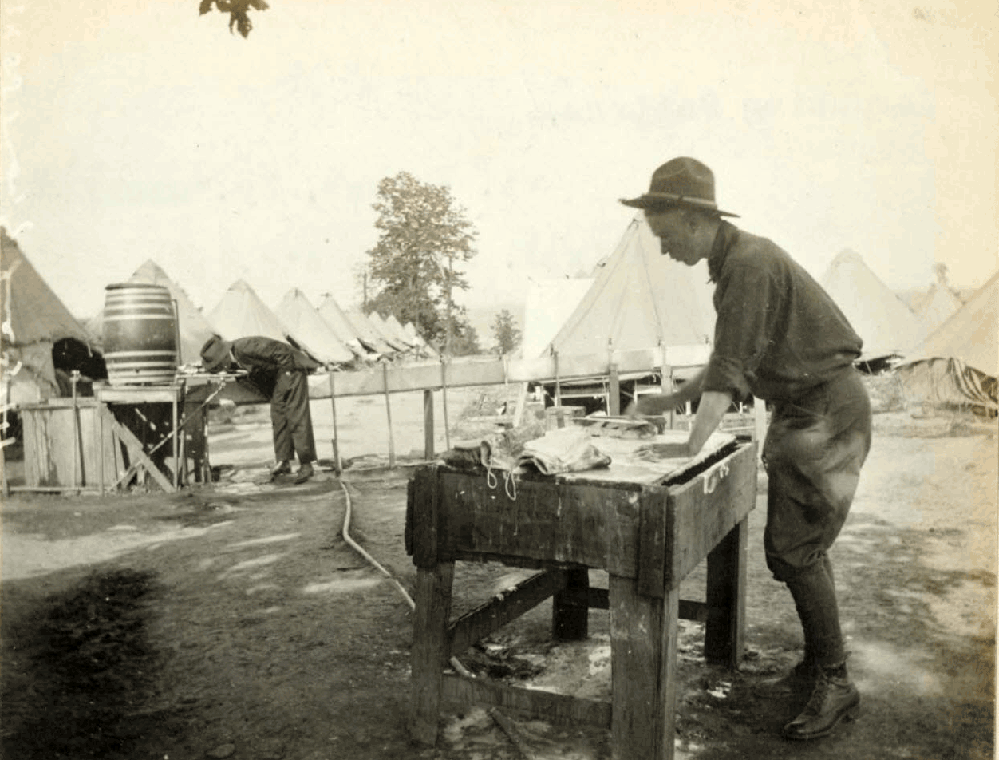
(779, 336)
(281, 372)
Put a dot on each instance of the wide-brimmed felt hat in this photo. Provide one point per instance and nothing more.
(215, 354)
(682, 182)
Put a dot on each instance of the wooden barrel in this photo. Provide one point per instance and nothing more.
(140, 334)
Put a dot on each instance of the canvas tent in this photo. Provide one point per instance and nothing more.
(241, 313)
(548, 304)
(392, 324)
(642, 299)
(193, 327)
(297, 313)
(367, 334)
(335, 317)
(381, 327)
(936, 306)
(887, 326)
(958, 363)
(425, 348)
(34, 319)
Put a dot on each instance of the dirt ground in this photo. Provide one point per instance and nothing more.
(235, 620)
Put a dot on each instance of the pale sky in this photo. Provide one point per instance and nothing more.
(135, 130)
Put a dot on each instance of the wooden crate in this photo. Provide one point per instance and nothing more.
(63, 447)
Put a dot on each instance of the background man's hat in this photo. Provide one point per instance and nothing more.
(680, 182)
(214, 354)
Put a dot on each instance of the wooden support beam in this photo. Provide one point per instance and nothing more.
(570, 608)
(614, 393)
(136, 451)
(428, 424)
(502, 608)
(560, 709)
(643, 671)
(726, 598)
(432, 595)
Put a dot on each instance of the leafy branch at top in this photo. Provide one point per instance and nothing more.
(238, 10)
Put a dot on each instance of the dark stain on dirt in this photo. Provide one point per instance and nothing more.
(92, 668)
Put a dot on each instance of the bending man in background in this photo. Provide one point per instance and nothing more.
(281, 372)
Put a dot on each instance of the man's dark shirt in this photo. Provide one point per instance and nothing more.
(265, 357)
(778, 333)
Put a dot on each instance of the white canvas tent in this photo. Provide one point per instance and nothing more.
(642, 299)
(33, 320)
(425, 348)
(241, 313)
(958, 363)
(887, 326)
(548, 304)
(297, 313)
(379, 325)
(936, 306)
(193, 327)
(395, 328)
(367, 333)
(335, 317)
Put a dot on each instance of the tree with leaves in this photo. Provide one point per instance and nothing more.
(415, 269)
(238, 10)
(505, 332)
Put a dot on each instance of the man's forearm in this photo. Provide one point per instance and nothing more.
(709, 415)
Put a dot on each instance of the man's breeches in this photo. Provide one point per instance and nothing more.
(291, 418)
(814, 451)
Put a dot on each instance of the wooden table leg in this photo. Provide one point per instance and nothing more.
(643, 672)
(726, 598)
(570, 607)
(432, 596)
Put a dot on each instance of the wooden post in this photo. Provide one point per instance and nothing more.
(666, 381)
(336, 434)
(388, 412)
(726, 598)
(99, 432)
(174, 420)
(643, 671)
(570, 609)
(614, 399)
(77, 448)
(428, 424)
(3, 417)
(432, 596)
(447, 423)
(558, 383)
(760, 418)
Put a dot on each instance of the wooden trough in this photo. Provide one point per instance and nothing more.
(647, 532)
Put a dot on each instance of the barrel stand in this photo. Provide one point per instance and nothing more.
(133, 398)
(648, 539)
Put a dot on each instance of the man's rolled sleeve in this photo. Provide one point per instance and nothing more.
(726, 375)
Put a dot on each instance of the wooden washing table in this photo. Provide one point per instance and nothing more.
(648, 524)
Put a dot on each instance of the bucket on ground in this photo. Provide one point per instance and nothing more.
(140, 334)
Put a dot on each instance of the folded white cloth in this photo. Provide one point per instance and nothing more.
(568, 449)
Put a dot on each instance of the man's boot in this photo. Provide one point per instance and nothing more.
(281, 468)
(799, 681)
(304, 473)
(833, 699)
